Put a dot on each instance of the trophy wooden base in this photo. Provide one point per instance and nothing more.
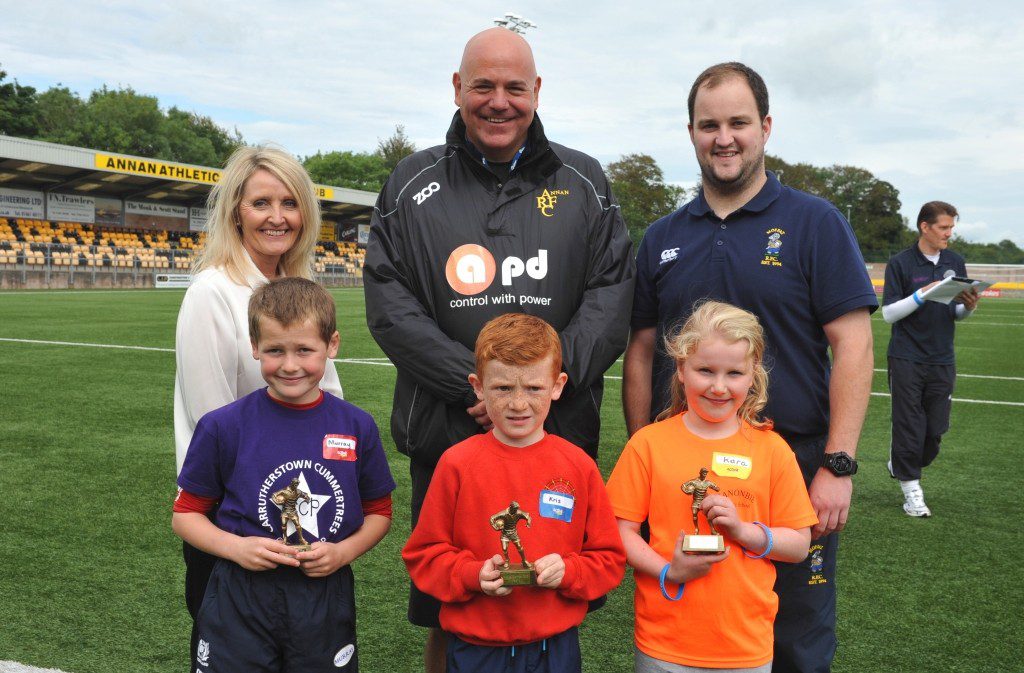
(517, 575)
(703, 544)
(299, 547)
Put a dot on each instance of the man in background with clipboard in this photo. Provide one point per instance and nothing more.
(922, 365)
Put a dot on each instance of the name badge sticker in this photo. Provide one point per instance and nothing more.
(554, 505)
(731, 465)
(340, 447)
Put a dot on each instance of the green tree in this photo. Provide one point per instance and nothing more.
(58, 114)
(356, 170)
(643, 195)
(195, 139)
(871, 205)
(17, 108)
(1003, 252)
(114, 120)
(393, 149)
(120, 120)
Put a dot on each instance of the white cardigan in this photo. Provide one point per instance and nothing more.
(213, 354)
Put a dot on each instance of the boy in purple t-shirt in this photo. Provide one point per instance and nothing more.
(270, 606)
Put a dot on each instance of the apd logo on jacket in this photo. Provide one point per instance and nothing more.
(773, 250)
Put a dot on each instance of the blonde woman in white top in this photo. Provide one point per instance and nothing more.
(264, 223)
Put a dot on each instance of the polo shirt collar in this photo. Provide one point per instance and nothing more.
(771, 191)
(944, 256)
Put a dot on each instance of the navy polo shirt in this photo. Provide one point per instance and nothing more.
(926, 335)
(788, 257)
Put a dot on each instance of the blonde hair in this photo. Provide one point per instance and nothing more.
(710, 319)
(223, 233)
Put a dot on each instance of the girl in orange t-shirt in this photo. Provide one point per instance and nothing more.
(755, 498)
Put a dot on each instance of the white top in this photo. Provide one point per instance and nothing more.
(213, 354)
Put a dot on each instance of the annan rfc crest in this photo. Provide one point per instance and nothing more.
(547, 200)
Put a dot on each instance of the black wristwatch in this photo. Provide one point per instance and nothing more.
(840, 464)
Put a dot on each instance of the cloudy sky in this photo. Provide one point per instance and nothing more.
(928, 96)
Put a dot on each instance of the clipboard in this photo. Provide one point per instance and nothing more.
(947, 290)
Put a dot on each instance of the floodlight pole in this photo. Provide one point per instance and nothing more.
(515, 23)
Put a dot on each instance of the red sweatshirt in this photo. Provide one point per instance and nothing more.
(560, 488)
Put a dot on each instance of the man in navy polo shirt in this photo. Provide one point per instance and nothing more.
(793, 260)
(922, 365)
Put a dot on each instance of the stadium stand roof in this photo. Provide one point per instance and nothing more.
(48, 167)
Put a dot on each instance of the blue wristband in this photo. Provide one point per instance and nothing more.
(661, 582)
(917, 298)
(768, 547)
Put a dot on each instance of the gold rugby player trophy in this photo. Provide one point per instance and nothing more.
(505, 521)
(697, 543)
(288, 499)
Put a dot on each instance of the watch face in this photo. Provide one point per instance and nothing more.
(840, 464)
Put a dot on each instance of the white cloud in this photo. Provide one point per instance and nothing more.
(972, 230)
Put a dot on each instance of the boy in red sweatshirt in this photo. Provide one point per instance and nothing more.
(570, 535)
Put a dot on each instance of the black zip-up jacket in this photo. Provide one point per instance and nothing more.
(451, 247)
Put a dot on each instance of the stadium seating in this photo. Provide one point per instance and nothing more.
(37, 244)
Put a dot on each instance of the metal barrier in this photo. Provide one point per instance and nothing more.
(44, 265)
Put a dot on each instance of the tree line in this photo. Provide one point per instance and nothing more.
(871, 205)
(124, 121)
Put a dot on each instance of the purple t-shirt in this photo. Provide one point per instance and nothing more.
(246, 451)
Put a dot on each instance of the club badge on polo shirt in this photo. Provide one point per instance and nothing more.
(340, 447)
(731, 465)
(773, 248)
(557, 500)
(816, 562)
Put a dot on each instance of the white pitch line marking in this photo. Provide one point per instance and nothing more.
(978, 376)
(384, 362)
(88, 345)
(16, 667)
(964, 399)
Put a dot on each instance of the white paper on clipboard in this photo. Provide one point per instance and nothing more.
(949, 288)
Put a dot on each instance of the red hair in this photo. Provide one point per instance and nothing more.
(517, 339)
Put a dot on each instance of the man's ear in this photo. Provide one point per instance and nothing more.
(457, 85)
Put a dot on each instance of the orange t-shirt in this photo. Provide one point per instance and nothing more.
(724, 619)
